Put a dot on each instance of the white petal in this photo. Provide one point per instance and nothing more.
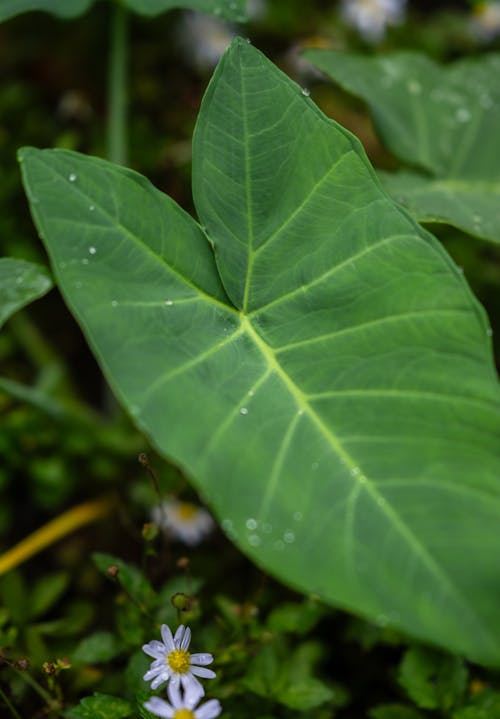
(174, 694)
(160, 679)
(168, 640)
(178, 635)
(152, 673)
(202, 659)
(202, 672)
(155, 649)
(159, 707)
(192, 687)
(186, 638)
(210, 710)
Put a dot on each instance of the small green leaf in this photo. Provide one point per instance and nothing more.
(395, 711)
(128, 576)
(296, 617)
(98, 647)
(431, 679)
(101, 706)
(46, 592)
(305, 693)
(444, 120)
(21, 282)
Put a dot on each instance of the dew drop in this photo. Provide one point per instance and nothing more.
(462, 114)
(297, 516)
(355, 471)
(315, 465)
(114, 303)
(92, 250)
(267, 528)
(85, 261)
(289, 536)
(78, 285)
(306, 92)
(414, 87)
(169, 303)
(72, 177)
(489, 332)
(279, 545)
(300, 412)
(227, 525)
(251, 523)
(254, 540)
(243, 411)
(91, 208)
(62, 265)
(251, 393)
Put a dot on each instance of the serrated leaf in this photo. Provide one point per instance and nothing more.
(101, 706)
(227, 9)
(444, 120)
(433, 680)
(342, 406)
(21, 282)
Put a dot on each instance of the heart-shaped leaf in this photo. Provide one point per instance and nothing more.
(21, 282)
(228, 9)
(339, 407)
(444, 120)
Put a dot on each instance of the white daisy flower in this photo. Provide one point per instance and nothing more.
(173, 662)
(485, 22)
(371, 17)
(183, 707)
(186, 522)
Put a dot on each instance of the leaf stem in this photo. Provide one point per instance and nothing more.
(117, 141)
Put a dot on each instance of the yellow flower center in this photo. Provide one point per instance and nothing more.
(183, 714)
(186, 511)
(179, 662)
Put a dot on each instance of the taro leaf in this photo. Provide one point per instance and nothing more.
(62, 8)
(341, 411)
(228, 9)
(444, 120)
(21, 282)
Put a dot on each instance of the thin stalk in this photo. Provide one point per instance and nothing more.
(9, 705)
(117, 150)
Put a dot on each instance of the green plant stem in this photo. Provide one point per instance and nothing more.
(9, 705)
(117, 86)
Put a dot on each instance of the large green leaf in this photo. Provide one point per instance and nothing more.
(340, 411)
(228, 9)
(21, 282)
(444, 120)
(62, 8)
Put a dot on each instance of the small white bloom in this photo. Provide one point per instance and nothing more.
(186, 522)
(485, 22)
(371, 17)
(173, 662)
(183, 707)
